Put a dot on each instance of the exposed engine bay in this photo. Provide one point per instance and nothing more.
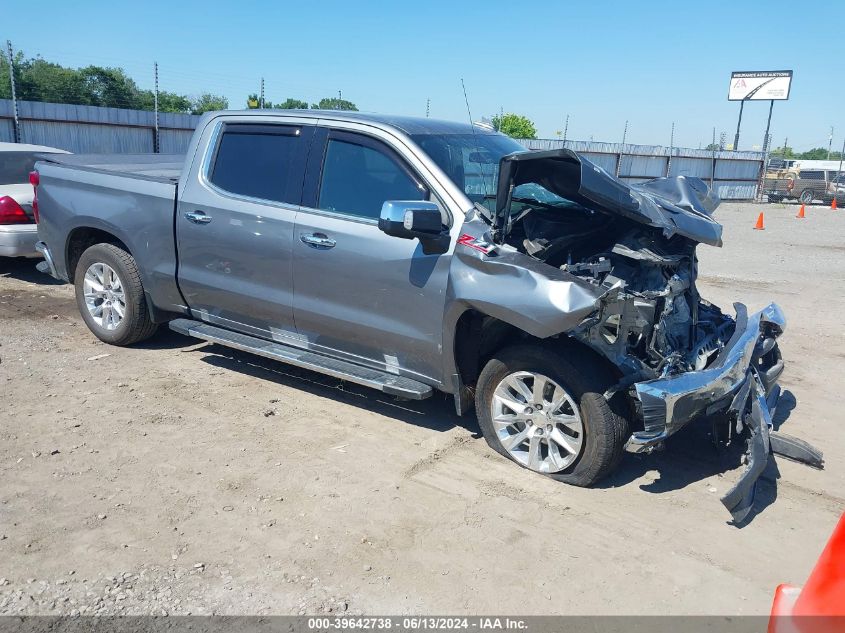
(652, 321)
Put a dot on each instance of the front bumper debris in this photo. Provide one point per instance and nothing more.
(742, 381)
(670, 403)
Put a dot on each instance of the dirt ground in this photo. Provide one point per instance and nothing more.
(181, 477)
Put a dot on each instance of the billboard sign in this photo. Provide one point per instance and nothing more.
(760, 86)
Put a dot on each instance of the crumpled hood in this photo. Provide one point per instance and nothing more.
(678, 206)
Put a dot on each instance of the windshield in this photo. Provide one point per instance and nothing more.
(472, 162)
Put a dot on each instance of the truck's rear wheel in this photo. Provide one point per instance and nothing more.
(548, 413)
(110, 295)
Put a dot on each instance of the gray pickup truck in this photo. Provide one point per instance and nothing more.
(413, 255)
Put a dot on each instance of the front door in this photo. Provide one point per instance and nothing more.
(234, 227)
(358, 293)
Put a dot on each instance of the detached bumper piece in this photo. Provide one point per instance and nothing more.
(742, 381)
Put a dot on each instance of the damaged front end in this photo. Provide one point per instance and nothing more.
(680, 357)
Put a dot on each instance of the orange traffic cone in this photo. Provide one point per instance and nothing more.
(759, 226)
(820, 606)
(800, 215)
(833, 205)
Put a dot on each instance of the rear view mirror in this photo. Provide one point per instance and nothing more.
(483, 158)
(420, 219)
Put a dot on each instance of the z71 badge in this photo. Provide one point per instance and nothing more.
(475, 242)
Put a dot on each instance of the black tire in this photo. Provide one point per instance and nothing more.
(136, 324)
(806, 197)
(606, 426)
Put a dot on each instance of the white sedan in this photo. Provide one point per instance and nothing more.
(18, 229)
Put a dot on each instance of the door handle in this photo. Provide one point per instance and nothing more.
(198, 217)
(317, 240)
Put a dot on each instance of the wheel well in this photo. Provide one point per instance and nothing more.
(82, 238)
(479, 336)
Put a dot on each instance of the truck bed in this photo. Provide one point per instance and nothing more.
(131, 197)
(158, 167)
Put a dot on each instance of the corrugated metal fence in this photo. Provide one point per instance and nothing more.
(90, 129)
(734, 175)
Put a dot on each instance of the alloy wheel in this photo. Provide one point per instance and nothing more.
(537, 422)
(104, 296)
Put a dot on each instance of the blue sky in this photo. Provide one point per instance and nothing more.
(603, 63)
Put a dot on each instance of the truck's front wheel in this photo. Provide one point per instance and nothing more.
(548, 413)
(110, 295)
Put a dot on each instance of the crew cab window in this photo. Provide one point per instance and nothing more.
(359, 179)
(257, 160)
(811, 175)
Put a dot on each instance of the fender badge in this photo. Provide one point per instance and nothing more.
(475, 243)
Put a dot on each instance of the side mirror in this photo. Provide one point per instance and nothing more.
(420, 219)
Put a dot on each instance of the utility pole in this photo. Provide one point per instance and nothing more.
(427, 107)
(671, 145)
(565, 129)
(713, 163)
(340, 95)
(17, 129)
(621, 149)
(829, 142)
(261, 97)
(839, 171)
(155, 106)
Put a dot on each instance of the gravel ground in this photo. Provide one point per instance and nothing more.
(180, 477)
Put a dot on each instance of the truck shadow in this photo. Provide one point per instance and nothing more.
(23, 269)
(436, 413)
(690, 457)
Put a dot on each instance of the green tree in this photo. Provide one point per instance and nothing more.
(208, 102)
(36, 79)
(253, 103)
(110, 87)
(514, 125)
(40, 80)
(782, 152)
(292, 104)
(167, 101)
(818, 153)
(712, 147)
(334, 103)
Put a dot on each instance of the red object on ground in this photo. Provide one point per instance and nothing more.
(833, 204)
(820, 606)
(800, 213)
(759, 226)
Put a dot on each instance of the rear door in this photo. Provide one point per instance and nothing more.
(234, 226)
(360, 294)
